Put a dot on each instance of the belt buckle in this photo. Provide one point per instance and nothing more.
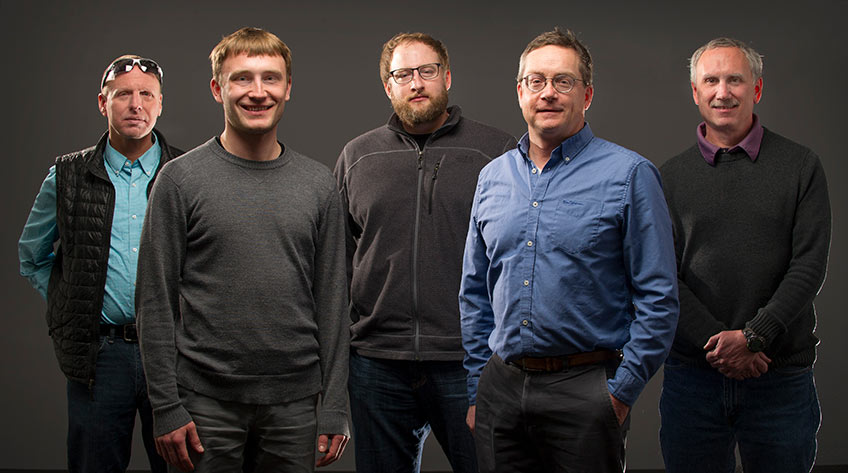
(129, 333)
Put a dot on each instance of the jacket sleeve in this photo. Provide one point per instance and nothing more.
(160, 262)
(810, 248)
(350, 227)
(35, 247)
(330, 295)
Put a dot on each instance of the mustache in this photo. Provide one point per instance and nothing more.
(724, 103)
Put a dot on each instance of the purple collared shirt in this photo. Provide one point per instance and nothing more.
(750, 144)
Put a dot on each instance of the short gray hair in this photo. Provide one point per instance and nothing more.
(755, 60)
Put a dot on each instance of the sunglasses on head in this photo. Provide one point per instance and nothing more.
(122, 66)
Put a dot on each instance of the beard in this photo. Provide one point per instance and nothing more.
(416, 116)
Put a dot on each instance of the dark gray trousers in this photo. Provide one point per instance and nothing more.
(248, 437)
(547, 422)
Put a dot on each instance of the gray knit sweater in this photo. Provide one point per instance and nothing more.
(241, 287)
(752, 242)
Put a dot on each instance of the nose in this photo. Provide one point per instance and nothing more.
(722, 90)
(257, 89)
(135, 102)
(417, 82)
(549, 92)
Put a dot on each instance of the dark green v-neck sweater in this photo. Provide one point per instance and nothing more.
(752, 241)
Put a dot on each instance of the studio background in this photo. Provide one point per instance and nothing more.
(56, 51)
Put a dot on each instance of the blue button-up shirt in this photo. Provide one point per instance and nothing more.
(575, 257)
(130, 179)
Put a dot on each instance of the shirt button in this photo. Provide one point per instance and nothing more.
(535, 204)
(534, 171)
(135, 250)
(530, 243)
(567, 159)
(526, 282)
(134, 217)
(133, 184)
(525, 322)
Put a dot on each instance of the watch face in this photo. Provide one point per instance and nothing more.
(755, 343)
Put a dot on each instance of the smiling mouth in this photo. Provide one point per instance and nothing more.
(256, 108)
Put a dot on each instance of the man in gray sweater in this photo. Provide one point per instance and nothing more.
(751, 220)
(241, 286)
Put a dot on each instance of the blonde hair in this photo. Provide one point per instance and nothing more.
(254, 42)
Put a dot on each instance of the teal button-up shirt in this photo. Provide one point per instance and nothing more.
(130, 179)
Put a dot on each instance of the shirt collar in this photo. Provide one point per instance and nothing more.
(750, 144)
(147, 161)
(567, 150)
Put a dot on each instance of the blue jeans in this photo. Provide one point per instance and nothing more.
(773, 419)
(101, 419)
(395, 404)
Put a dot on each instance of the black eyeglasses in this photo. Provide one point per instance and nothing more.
(563, 83)
(122, 66)
(426, 71)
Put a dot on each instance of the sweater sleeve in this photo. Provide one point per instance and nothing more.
(695, 324)
(160, 263)
(330, 294)
(810, 247)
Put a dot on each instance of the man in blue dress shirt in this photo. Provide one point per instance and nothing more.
(92, 203)
(569, 291)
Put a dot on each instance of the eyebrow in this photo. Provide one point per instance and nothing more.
(250, 72)
(729, 76)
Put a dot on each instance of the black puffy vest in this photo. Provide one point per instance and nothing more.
(85, 202)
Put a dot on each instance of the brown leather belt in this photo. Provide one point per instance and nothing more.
(560, 363)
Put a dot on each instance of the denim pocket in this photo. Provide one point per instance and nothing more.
(575, 226)
(789, 371)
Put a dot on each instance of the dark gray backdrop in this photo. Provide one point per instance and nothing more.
(55, 52)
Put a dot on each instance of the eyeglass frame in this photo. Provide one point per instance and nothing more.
(552, 80)
(412, 72)
(111, 72)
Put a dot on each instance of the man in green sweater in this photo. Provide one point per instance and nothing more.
(241, 290)
(751, 219)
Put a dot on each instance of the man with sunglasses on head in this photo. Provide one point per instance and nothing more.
(569, 294)
(407, 189)
(91, 207)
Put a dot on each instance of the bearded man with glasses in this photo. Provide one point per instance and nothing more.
(91, 206)
(569, 291)
(407, 188)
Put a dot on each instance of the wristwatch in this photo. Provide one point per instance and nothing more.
(755, 343)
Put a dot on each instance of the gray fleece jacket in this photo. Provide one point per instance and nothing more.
(241, 288)
(408, 210)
